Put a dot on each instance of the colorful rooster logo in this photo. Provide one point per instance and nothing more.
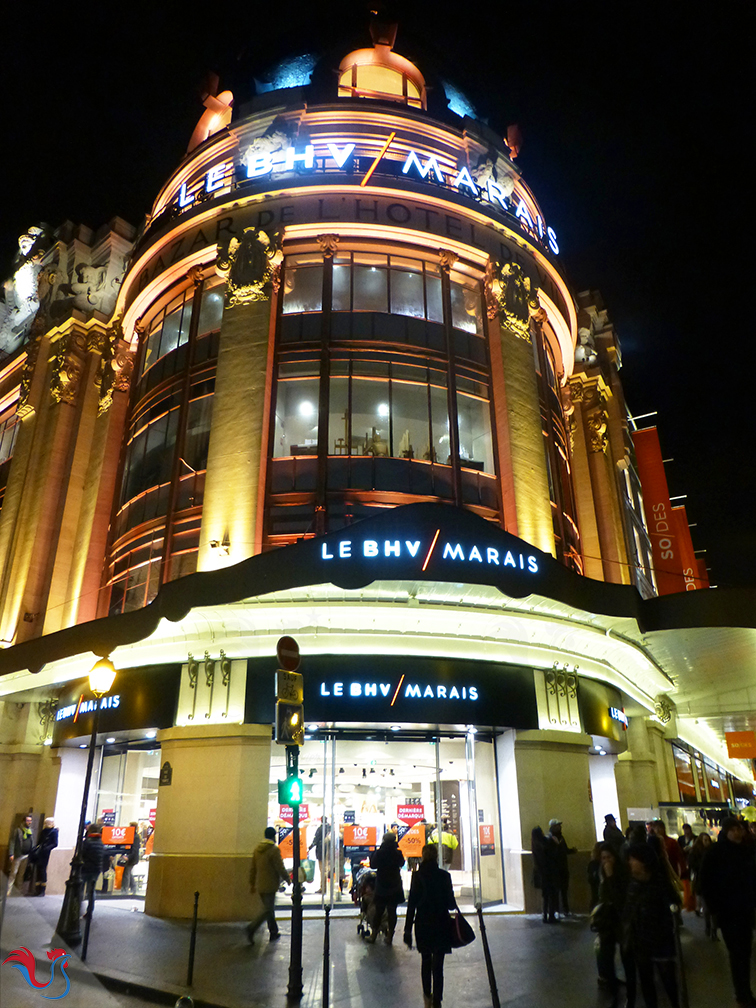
(22, 960)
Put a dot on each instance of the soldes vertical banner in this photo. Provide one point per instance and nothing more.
(661, 524)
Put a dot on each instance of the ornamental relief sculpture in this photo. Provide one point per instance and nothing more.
(514, 297)
(251, 266)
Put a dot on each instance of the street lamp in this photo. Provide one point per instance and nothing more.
(101, 679)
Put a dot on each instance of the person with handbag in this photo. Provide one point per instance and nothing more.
(387, 863)
(40, 857)
(431, 898)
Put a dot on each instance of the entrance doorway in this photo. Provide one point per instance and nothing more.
(360, 784)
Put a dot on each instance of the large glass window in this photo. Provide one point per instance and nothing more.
(389, 409)
(296, 427)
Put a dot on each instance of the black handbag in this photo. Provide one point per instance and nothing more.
(461, 931)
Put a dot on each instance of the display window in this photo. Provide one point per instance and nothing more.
(357, 789)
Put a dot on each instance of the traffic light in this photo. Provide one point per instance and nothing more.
(290, 791)
(289, 723)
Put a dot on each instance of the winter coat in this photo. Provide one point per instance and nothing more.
(48, 841)
(430, 900)
(22, 842)
(727, 880)
(267, 871)
(647, 922)
(387, 861)
(93, 857)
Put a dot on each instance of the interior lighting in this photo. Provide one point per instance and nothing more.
(306, 408)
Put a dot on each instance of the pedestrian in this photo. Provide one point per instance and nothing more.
(265, 877)
(695, 860)
(612, 833)
(648, 935)
(606, 917)
(558, 850)
(20, 848)
(672, 847)
(728, 885)
(40, 857)
(449, 843)
(387, 862)
(431, 898)
(130, 861)
(321, 845)
(593, 873)
(93, 858)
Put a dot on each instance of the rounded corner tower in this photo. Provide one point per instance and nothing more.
(340, 303)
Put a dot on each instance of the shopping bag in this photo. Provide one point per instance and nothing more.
(461, 932)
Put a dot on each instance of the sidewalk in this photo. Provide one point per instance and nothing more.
(535, 965)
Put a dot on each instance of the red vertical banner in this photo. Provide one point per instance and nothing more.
(687, 555)
(665, 547)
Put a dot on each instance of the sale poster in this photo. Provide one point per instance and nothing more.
(286, 842)
(487, 845)
(412, 840)
(122, 836)
(358, 839)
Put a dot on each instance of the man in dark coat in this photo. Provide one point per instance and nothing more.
(556, 852)
(727, 882)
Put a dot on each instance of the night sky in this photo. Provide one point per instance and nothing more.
(636, 123)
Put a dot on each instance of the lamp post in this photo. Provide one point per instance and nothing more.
(101, 680)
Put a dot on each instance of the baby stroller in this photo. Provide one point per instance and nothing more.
(363, 896)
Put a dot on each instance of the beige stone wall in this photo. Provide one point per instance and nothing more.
(209, 820)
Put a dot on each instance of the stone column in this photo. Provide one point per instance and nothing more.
(209, 819)
(553, 782)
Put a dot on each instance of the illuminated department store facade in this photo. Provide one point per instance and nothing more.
(338, 386)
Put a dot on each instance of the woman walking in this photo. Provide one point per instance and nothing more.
(387, 862)
(430, 900)
(648, 938)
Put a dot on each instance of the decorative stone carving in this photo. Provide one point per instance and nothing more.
(21, 296)
(596, 421)
(513, 296)
(329, 243)
(68, 365)
(447, 258)
(664, 708)
(585, 351)
(251, 266)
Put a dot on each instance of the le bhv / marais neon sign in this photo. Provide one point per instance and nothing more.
(265, 162)
(373, 549)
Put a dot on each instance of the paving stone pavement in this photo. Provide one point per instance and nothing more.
(131, 953)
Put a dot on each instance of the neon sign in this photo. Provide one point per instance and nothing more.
(369, 549)
(257, 164)
(408, 691)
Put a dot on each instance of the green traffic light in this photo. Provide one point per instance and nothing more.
(290, 791)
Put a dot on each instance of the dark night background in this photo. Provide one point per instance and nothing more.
(635, 120)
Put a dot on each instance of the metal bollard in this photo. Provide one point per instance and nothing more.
(489, 964)
(192, 944)
(327, 958)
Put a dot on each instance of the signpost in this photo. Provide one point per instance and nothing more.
(290, 733)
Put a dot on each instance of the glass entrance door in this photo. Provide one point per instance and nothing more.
(428, 790)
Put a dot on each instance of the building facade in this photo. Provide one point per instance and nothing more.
(339, 388)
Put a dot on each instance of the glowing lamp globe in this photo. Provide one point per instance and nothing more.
(101, 677)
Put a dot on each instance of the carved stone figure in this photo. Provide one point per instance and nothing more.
(21, 291)
(585, 351)
(514, 296)
(251, 266)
